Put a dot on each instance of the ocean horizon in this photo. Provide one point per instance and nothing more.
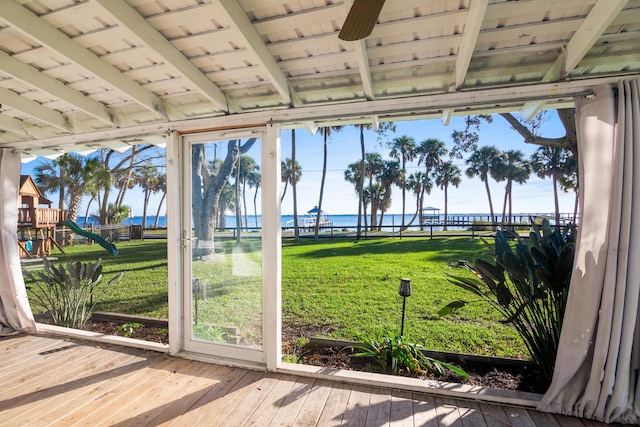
(339, 221)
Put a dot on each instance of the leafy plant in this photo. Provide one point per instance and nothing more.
(126, 329)
(210, 333)
(401, 355)
(68, 295)
(532, 295)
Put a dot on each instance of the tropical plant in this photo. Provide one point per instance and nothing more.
(148, 178)
(403, 149)
(551, 162)
(399, 355)
(480, 164)
(326, 133)
(291, 173)
(528, 285)
(69, 295)
(446, 174)
(70, 175)
(419, 184)
(127, 329)
(511, 167)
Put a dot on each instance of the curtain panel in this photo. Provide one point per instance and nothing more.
(598, 363)
(15, 313)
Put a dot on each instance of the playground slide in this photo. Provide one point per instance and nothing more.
(110, 247)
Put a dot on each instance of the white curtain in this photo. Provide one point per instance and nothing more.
(598, 363)
(15, 313)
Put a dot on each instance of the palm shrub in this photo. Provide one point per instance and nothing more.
(69, 295)
(399, 355)
(528, 284)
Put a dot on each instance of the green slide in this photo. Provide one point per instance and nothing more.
(110, 247)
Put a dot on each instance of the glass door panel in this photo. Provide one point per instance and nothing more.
(223, 248)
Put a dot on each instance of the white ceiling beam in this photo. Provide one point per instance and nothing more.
(360, 50)
(14, 125)
(254, 44)
(312, 127)
(475, 16)
(599, 18)
(447, 114)
(34, 78)
(130, 19)
(116, 145)
(484, 100)
(30, 25)
(587, 34)
(33, 109)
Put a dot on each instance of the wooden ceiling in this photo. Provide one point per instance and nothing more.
(114, 69)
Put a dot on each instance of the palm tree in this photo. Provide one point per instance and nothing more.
(510, 167)
(98, 179)
(325, 132)
(291, 173)
(480, 164)
(550, 162)
(70, 175)
(294, 185)
(162, 186)
(391, 175)
(373, 167)
(569, 181)
(381, 130)
(447, 174)
(430, 153)
(245, 167)
(254, 180)
(403, 149)
(418, 183)
(148, 178)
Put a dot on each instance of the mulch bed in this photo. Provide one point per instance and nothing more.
(523, 377)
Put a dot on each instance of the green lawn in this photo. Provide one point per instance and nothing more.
(342, 288)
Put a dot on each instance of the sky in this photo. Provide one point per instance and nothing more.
(536, 196)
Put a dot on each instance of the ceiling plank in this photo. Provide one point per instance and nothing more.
(475, 16)
(587, 34)
(33, 109)
(32, 77)
(599, 18)
(254, 44)
(136, 24)
(30, 25)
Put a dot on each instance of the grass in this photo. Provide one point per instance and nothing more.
(345, 287)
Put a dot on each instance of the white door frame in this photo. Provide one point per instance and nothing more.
(179, 202)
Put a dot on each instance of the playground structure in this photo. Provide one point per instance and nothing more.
(37, 221)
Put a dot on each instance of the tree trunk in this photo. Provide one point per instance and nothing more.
(155, 224)
(296, 230)
(361, 184)
(555, 199)
(486, 186)
(446, 203)
(324, 174)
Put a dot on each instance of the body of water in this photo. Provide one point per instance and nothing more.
(339, 222)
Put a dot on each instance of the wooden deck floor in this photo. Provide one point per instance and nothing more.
(46, 380)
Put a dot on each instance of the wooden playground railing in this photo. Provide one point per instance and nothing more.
(39, 217)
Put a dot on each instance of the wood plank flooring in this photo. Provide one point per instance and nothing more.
(46, 380)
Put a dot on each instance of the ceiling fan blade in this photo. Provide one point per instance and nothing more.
(361, 19)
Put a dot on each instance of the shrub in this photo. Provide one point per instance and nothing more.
(401, 355)
(532, 295)
(68, 295)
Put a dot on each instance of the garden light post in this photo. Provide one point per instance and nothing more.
(405, 291)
